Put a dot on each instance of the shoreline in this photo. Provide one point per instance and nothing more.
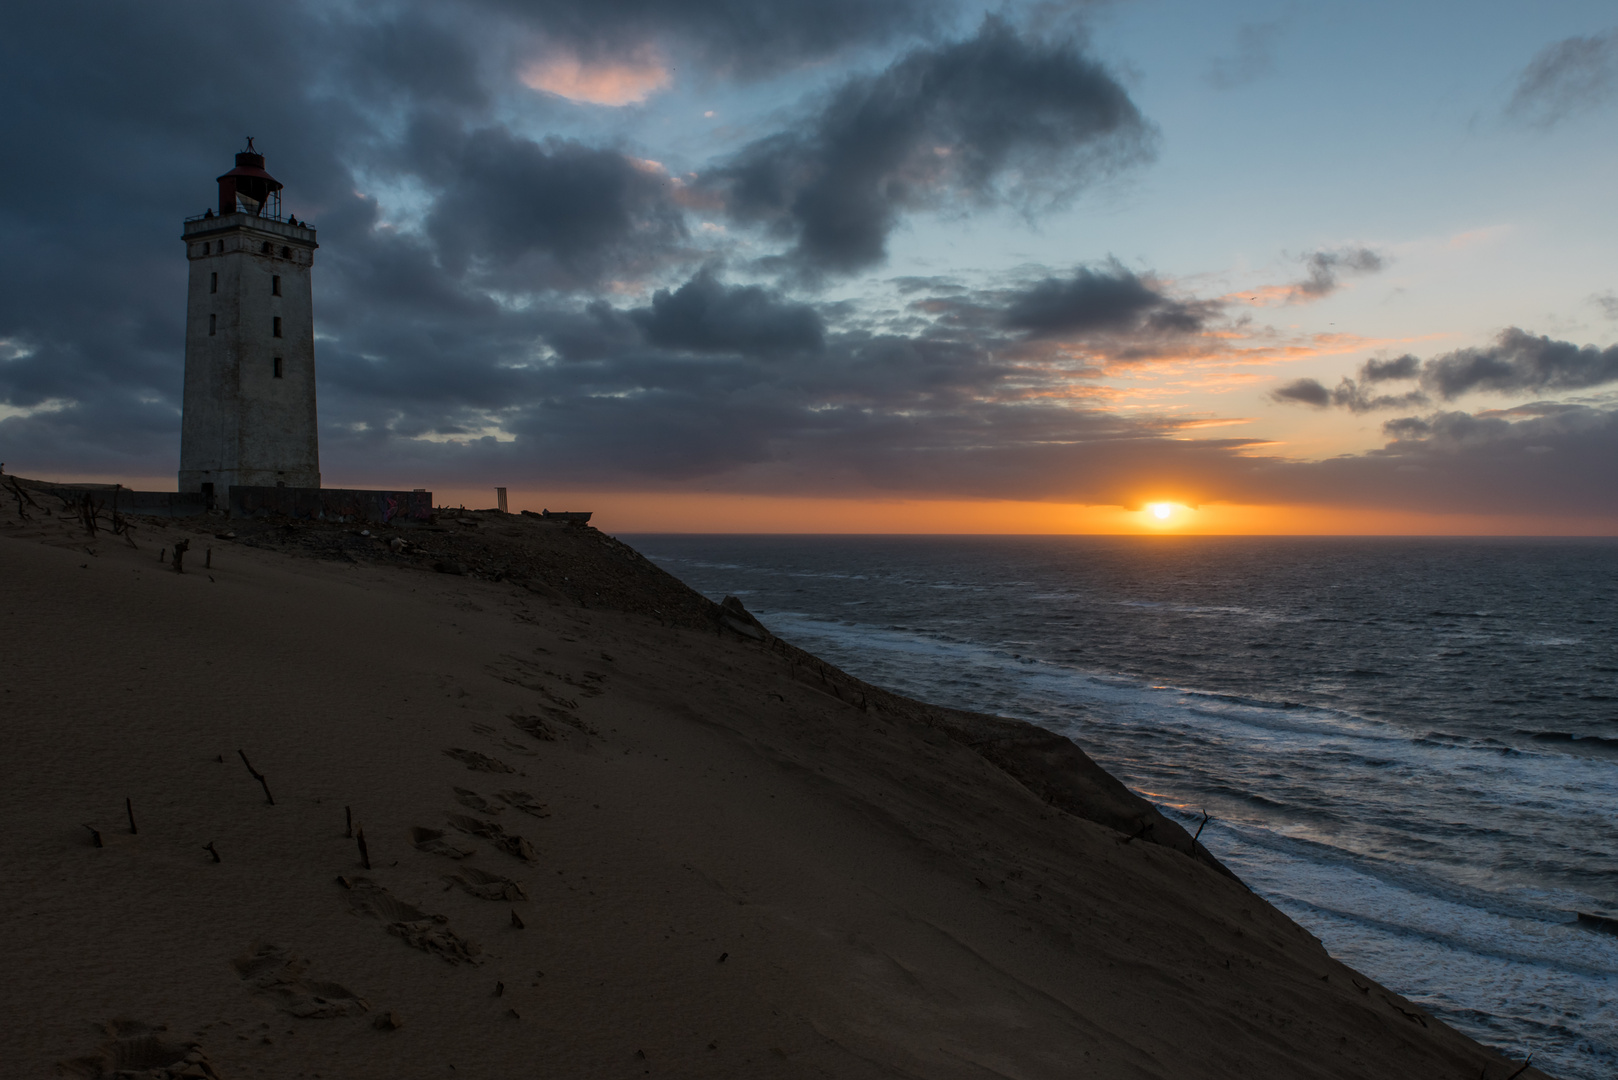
(742, 863)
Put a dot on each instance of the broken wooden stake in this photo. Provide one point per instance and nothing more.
(348, 823)
(129, 808)
(516, 920)
(207, 559)
(365, 853)
(95, 837)
(209, 848)
(180, 548)
(259, 777)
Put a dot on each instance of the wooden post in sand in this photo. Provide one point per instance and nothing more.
(129, 808)
(365, 853)
(259, 777)
(180, 548)
(500, 499)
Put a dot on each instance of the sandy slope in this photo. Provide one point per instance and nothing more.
(738, 873)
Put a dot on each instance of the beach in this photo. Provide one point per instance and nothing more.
(613, 830)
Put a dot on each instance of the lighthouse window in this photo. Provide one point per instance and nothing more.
(275, 285)
(278, 367)
(286, 253)
(212, 324)
(277, 327)
(266, 247)
(213, 282)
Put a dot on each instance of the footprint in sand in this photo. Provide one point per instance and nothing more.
(137, 1050)
(473, 801)
(278, 975)
(525, 802)
(433, 843)
(408, 923)
(478, 762)
(534, 726)
(487, 886)
(510, 843)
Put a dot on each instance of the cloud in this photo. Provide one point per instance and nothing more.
(1109, 299)
(1303, 392)
(997, 119)
(1517, 362)
(1326, 269)
(705, 315)
(623, 81)
(1254, 57)
(1347, 394)
(1608, 303)
(1403, 367)
(556, 213)
(740, 38)
(1565, 78)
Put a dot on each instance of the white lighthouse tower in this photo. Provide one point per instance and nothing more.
(249, 410)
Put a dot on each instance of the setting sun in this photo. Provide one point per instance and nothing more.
(1161, 511)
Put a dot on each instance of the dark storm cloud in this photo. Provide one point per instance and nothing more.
(1304, 392)
(705, 315)
(556, 213)
(1565, 78)
(1518, 362)
(1403, 367)
(998, 118)
(1347, 394)
(1325, 270)
(1102, 300)
(1552, 459)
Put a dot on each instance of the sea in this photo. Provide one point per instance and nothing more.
(1410, 746)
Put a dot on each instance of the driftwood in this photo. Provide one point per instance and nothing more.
(259, 777)
(209, 848)
(1205, 817)
(365, 853)
(89, 512)
(129, 808)
(21, 496)
(348, 826)
(95, 836)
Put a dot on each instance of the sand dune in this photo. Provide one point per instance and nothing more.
(611, 832)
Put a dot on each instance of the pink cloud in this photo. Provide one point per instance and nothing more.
(624, 80)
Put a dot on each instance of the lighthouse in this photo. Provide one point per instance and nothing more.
(249, 406)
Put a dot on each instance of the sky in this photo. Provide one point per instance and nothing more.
(833, 265)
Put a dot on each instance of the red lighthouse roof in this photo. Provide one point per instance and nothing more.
(248, 187)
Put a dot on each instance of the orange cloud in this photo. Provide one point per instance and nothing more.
(619, 81)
